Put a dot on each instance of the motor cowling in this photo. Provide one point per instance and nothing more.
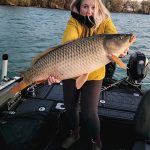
(138, 65)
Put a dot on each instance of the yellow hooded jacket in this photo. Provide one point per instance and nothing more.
(75, 30)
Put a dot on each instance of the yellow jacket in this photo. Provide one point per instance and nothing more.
(75, 30)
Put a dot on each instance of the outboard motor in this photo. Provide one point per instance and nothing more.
(138, 66)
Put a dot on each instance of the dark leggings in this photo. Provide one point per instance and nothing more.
(89, 99)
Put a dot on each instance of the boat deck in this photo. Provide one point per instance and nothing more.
(117, 108)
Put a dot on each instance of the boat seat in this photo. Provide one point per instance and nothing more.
(142, 126)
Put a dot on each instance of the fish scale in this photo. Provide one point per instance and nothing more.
(72, 59)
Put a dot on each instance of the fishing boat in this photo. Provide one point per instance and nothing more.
(34, 118)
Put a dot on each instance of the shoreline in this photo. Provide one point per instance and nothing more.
(133, 7)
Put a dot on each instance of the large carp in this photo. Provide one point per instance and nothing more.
(76, 59)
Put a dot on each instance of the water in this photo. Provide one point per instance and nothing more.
(26, 31)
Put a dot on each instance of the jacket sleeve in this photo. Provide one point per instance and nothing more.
(110, 27)
(71, 31)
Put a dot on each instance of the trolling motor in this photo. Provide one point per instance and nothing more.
(138, 66)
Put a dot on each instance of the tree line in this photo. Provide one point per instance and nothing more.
(128, 6)
(113, 5)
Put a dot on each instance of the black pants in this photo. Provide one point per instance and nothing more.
(89, 100)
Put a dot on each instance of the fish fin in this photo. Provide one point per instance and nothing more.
(118, 61)
(42, 54)
(20, 86)
(81, 80)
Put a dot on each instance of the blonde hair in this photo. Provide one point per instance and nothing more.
(101, 12)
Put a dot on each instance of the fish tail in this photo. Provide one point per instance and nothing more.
(19, 87)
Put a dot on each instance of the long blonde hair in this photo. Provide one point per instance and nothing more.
(101, 12)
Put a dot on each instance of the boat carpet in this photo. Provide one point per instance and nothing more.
(115, 104)
(116, 110)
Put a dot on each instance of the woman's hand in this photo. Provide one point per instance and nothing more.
(124, 53)
(52, 79)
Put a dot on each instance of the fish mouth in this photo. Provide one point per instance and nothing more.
(132, 39)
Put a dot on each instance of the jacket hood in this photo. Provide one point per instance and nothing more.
(88, 21)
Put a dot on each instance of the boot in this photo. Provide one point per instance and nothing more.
(96, 145)
(71, 139)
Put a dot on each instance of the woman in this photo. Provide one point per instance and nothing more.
(88, 17)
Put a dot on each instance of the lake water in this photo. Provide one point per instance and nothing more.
(26, 31)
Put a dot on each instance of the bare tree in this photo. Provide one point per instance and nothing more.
(107, 3)
(146, 7)
(135, 6)
(115, 5)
